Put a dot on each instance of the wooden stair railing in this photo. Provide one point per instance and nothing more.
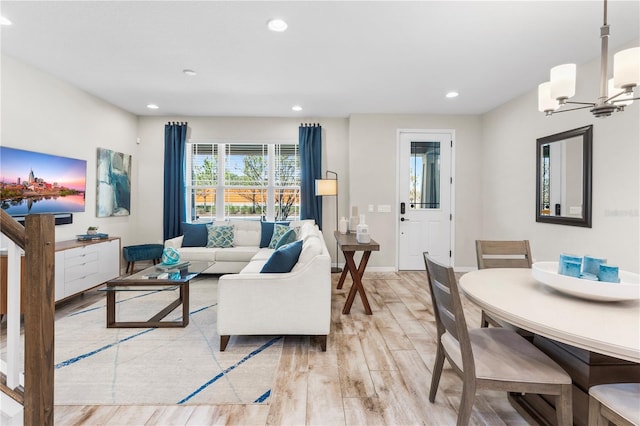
(37, 239)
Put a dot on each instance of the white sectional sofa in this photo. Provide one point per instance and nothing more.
(251, 302)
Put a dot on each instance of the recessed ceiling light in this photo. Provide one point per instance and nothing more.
(452, 95)
(5, 21)
(296, 108)
(189, 72)
(277, 25)
(153, 106)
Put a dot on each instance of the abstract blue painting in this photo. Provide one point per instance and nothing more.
(113, 195)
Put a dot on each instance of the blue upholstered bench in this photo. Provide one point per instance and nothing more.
(132, 254)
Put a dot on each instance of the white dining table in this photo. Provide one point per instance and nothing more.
(513, 295)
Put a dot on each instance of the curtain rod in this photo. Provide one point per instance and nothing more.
(174, 123)
(310, 125)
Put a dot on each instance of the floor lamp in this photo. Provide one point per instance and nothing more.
(329, 187)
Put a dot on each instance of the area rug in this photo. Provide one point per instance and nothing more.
(99, 365)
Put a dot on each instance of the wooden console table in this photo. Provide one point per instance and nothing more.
(349, 245)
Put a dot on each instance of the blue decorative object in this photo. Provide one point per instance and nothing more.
(170, 256)
(609, 273)
(572, 269)
(588, 276)
(567, 257)
(591, 265)
(283, 259)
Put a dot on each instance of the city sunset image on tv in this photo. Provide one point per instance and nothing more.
(33, 182)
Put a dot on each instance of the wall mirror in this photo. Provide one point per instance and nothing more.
(563, 177)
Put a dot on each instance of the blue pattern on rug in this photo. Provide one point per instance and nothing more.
(88, 354)
(231, 368)
(232, 387)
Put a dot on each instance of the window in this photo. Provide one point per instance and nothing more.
(248, 180)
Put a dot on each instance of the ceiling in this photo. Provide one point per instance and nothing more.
(336, 58)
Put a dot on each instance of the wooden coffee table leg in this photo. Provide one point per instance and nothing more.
(111, 308)
(184, 296)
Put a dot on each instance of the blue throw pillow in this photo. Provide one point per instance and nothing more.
(267, 232)
(288, 237)
(195, 234)
(283, 259)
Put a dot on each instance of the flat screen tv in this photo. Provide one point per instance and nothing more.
(33, 182)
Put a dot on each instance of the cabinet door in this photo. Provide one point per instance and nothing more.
(109, 260)
(59, 275)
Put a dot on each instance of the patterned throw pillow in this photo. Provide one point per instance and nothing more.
(288, 237)
(220, 236)
(278, 231)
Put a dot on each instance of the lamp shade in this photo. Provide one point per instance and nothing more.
(545, 102)
(326, 187)
(563, 81)
(626, 68)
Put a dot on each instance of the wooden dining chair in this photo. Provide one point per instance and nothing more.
(617, 403)
(489, 358)
(501, 254)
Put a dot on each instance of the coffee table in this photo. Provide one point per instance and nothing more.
(140, 282)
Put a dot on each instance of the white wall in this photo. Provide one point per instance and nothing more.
(494, 164)
(508, 175)
(151, 133)
(372, 177)
(42, 113)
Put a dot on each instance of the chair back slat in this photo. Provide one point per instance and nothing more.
(448, 309)
(444, 305)
(503, 254)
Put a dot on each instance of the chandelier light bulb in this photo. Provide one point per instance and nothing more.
(545, 102)
(626, 68)
(563, 82)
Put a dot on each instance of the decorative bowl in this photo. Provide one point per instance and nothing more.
(627, 289)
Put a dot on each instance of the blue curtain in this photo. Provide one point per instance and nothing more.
(175, 137)
(310, 148)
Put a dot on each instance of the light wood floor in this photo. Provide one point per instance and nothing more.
(376, 371)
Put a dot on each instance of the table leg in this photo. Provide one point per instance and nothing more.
(343, 275)
(184, 296)
(356, 276)
(111, 308)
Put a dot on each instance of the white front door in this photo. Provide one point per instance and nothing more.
(425, 187)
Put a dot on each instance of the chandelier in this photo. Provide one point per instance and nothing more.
(615, 93)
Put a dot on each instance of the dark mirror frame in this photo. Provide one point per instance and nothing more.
(587, 154)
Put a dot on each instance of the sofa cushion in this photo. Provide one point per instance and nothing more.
(220, 236)
(286, 238)
(245, 232)
(311, 248)
(236, 254)
(278, 231)
(195, 234)
(198, 254)
(283, 259)
(267, 232)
